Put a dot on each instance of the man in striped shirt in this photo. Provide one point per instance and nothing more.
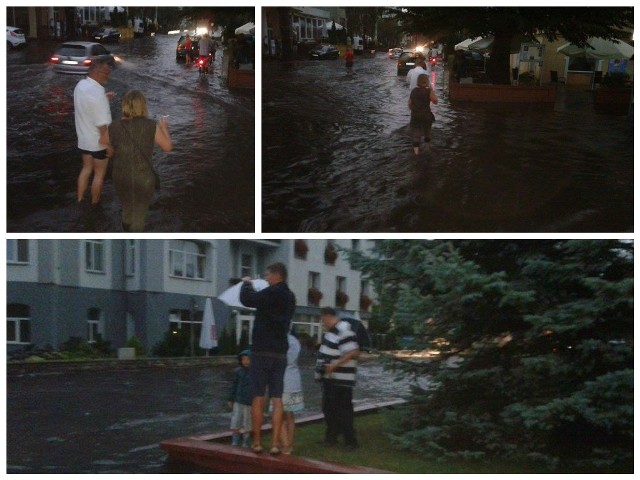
(336, 368)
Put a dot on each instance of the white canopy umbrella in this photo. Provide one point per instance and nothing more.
(246, 29)
(231, 296)
(481, 44)
(464, 45)
(328, 25)
(208, 334)
(598, 48)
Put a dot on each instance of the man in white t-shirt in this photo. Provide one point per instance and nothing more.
(420, 68)
(93, 117)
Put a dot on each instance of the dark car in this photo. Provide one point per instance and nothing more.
(181, 53)
(324, 52)
(474, 62)
(106, 34)
(77, 57)
(407, 61)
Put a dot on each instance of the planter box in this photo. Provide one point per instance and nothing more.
(613, 101)
(488, 93)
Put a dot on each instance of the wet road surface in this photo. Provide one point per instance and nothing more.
(113, 421)
(207, 181)
(337, 157)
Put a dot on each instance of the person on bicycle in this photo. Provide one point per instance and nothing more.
(207, 51)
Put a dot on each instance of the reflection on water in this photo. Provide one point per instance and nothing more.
(207, 182)
(114, 421)
(337, 157)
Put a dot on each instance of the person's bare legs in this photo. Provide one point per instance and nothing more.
(286, 433)
(276, 420)
(99, 171)
(85, 174)
(257, 417)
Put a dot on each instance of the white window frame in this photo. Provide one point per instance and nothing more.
(181, 258)
(314, 280)
(246, 270)
(94, 323)
(92, 247)
(131, 249)
(18, 329)
(15, 250)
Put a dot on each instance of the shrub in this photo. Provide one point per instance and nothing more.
(134, 342)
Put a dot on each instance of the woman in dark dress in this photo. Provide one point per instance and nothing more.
(421, 117)
(134, 177)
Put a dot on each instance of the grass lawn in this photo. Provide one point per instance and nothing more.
(376, 451)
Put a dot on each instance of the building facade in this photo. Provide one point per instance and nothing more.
(58, 289)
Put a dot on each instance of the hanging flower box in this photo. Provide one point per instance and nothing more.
(365, 303)
(301, 249)
(314, 296)
(330, 254)
(341, 299)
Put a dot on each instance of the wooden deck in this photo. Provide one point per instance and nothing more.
(213, 452)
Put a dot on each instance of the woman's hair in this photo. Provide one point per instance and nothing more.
(423, 79)
(134, 104)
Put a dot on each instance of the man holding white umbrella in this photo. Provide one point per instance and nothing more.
(275, 306)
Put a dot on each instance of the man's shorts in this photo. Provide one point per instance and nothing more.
(267, 374)
(99, 155)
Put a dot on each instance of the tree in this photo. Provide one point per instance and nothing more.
(535, 342)
(575, 24)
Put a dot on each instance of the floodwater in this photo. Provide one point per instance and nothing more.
(207, 181)
(113, 421)
(337, 157)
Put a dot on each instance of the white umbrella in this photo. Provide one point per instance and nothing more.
(464, 45)
(208, 334)
(481, 44)
(328, 25)
(231, 296)
(599, 49)
(246, 29)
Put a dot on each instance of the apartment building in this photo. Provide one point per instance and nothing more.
(57, 289)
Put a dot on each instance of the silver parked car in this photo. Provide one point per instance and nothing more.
(76, 57)
(15, 37)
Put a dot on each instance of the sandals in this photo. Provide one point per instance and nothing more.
(257, 448)
(275, 451)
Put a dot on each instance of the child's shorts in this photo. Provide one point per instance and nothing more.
(241, 417)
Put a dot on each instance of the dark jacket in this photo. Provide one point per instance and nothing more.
(275, 306)
(241, 388)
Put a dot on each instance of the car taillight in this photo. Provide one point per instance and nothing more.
(201, 62)
(55, 59)
(87, 62)
(13, 34)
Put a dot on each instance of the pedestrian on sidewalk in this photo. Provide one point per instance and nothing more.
(336, 368)
(240, 401)
(275, 306)
(421, 116)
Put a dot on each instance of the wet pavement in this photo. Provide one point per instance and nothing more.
(112, 421)
(207, 181)
(337, 157)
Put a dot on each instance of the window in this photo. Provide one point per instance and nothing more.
(580, 64)
(94, 255)
(246, 265)
(341, 284)
(94, 324)
(17, 251)
(130, 255)
(187, 259)
(314, 280)
(18, 324)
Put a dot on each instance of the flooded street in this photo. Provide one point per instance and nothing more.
(337, 157)
(207, 181)
(113, 421)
